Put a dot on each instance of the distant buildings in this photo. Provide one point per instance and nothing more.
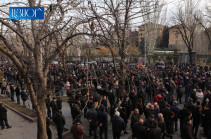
(153, 35)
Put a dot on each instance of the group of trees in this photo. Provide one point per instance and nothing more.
(33, 44)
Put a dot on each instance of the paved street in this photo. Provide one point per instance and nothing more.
(21, 128)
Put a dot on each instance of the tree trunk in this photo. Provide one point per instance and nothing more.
(122, 75)
(41, 122)
(190, 57)
(40, 108)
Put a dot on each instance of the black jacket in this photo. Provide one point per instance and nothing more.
(118, 124)
(186, 132)
(155, 133)
(102, 117)
(139, 131)
(59, 119)
(92, 115)
(134, 119)
(17, 91)
(3, 112)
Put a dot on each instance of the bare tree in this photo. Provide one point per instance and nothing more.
(40, 42)
(112, 26)
(186, 25)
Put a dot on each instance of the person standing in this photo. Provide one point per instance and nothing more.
(134, 119)
(18, 93)
(12, 90)
(48, 105)
(118, 125)
(102, 118)
(49, 133)
(187, 130)
(24, 96)
(3, 116)
(58, 102)
(197, 114)
(59, 120)
(180, 92)
(126, 108)
(54, 107)
(4, 86)
(140, 130)
(155, 131)
(92, 118)
(77, 130)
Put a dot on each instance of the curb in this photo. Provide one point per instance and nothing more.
(21, 114)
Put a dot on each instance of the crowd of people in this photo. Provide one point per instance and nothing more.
(156, 102)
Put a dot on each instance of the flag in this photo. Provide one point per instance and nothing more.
(140, 63)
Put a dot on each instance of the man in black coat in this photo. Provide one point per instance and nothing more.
(59, 102)
(188, 91)
(186, 131)
(59, 120)
(140, 130)
(111, 97)
(127, 108)
(3, 116)
(54, 106)
(118, 125)
(91, 115)
(48, 105)
(175, 108)
(102, 118)
(155, 131)
(134, 119)
(184, 114)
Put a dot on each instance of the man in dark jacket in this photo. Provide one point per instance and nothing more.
(91, 115)
(127, 108)
(180, 92)
(134, 119)
(175, 108)
(18, 93)
(3, 116)
(117, 125)
(188, 91)
(12, 90)
(140, 130)
(155, 131)
(59, 102)
(111, 97)
(161, 124)
(54, 107)
(48, 105)
(24, 96)
(60, 122)
(186, 131)
(102, 118)
(184, 114)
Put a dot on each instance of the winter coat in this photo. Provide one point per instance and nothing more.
(59, 120)
(155, 133)
(118, 124)
(139, 131)
(92, 115)
(3, 113)
(77, 131)
(24, 95)
(102, 117)
(17, 91)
